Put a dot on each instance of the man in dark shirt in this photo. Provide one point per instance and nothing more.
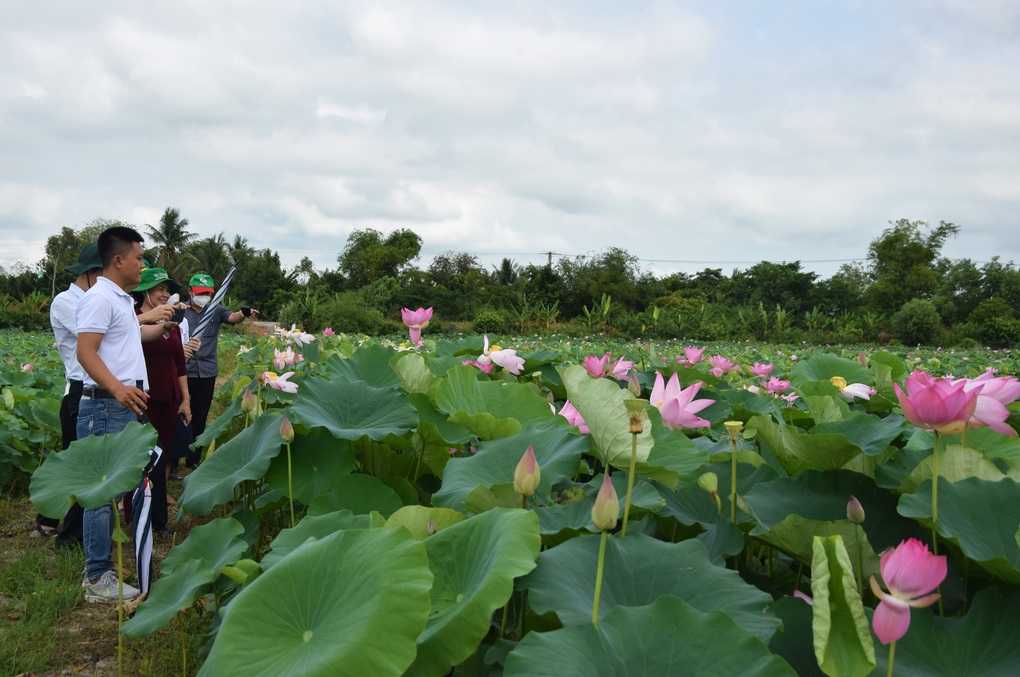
(203, 367)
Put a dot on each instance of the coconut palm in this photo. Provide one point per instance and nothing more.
(209, 255)
(169, 240)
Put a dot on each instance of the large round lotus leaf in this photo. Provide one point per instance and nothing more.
(638, 570)
(667, 637)
(361, 494)
(351, 604)
(169, 594)
(218, 544)
(475, 563)
(980, 516)
(351, 411)
(318, 460)
(92, 470)
(422, 521)
(312, 527)
(368, 364)
(489, 409)
(824, 366)
(600, 402)
(986, 641)
(557, 450)
(245, 457)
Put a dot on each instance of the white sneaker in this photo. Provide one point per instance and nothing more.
(105, 589)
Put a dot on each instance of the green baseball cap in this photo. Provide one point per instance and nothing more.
(152, 277)
(88, 259)
(201, 283)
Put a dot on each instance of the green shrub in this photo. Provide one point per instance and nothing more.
(917, 322)
(348, 312)
(994, 323)
(489, 321)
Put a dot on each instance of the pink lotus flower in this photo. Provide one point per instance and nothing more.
(694, 355)
(993, 394)
(287, 430)
(507, 359)
(761, 370)
(720, 366)
(676, 405)
(284, 358)
(910, 572)
(294, 334)
(606, 510)
(596, 366)
(328, 331)
(574, 417)
(416, 320)
(28, 367)
(527, 474)
(487, 368)
(936, 404)
(775, 386)
(622, 368)
(848, 391)
(279, 382)
(790, 398)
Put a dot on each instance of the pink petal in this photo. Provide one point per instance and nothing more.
(891, 619)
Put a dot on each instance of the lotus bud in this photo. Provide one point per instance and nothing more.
(247, 401)
(862, 359)
(430, 528)
(733, 429)
(855, 511)
(632, 383)
(528, 474)
(606, 510)
(710, 483)
(286, 430)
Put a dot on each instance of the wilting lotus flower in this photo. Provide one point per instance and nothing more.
(720, 366)
(622, 368)
(910, 572)
(761, 370)
(487, 368)
(694, 355)
(28, 367)
(527, 475)
(993, 394)
(279, 382)
(606, 510)
(283, 358)
(936, 404)
(294, 334)
(416, 320)
(328, 331)
(848, 391)
(507, 359)
(574, 417)
(676, 405)
(596, 366)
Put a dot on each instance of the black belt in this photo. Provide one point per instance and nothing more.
(98, 392)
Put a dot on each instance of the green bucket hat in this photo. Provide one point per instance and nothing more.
(88, 259)
(201, 283)
(156, 276)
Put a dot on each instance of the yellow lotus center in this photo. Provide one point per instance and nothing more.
(839, 382)
(494, 348)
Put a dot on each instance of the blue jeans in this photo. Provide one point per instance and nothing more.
(99, 416)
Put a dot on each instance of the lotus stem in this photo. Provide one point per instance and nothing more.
(733, 480)
(892, 657)
(630, 483)
(290, 487)
(858, 533)
(935, 497)
(598, 578)
(120, 586)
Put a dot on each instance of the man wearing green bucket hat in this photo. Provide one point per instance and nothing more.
(65, 332)
(204, 366)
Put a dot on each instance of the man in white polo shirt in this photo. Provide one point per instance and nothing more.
(113, 394)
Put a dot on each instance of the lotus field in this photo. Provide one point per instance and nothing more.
(554, 506)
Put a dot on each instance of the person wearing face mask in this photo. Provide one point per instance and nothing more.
(204, 367)
(168, 384)
(65, 332)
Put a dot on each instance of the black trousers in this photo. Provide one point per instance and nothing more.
(72, 531)
(201, 390)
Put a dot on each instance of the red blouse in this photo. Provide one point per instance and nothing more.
(164, 364)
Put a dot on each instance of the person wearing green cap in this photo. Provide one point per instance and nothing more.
(168, 385)
(204, 366)
(65, 332)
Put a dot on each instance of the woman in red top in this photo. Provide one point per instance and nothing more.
(168, 385)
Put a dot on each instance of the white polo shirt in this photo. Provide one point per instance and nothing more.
(109, 310)
(65, 330)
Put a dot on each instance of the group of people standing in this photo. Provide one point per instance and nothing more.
(125, 340)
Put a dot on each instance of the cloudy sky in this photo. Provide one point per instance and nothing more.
(691, 134)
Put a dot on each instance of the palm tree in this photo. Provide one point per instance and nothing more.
(507, 273)
(170, 239)
(208, 255)
(239, 249)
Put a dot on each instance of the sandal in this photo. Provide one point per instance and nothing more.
(45, 529)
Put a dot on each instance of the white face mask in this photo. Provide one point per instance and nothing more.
(201, 301)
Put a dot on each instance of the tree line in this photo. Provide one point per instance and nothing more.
(906, 290)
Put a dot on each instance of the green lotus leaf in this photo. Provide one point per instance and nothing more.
(361, 494)
(318, 461)
(92, 470)
(674, 458)
(420, 520)
(450, 433)
(870, 433)
(979, 516)
(842, 638)
(983, 642)
(414, 374)
(667, 637)
(638, 570)
(353, 603)
(244, 457)
(474, 563)
(896, 369)
(369, 365)
(693, 505)
(220, 425)
(797, 451)
(794, 642)
(600, 403)
(217, 543)
(994, 444)
(312, 527)
(170, 594)
(824, 366)
(955, 463)
(489, 409)
(351, 410)
(558, 452)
